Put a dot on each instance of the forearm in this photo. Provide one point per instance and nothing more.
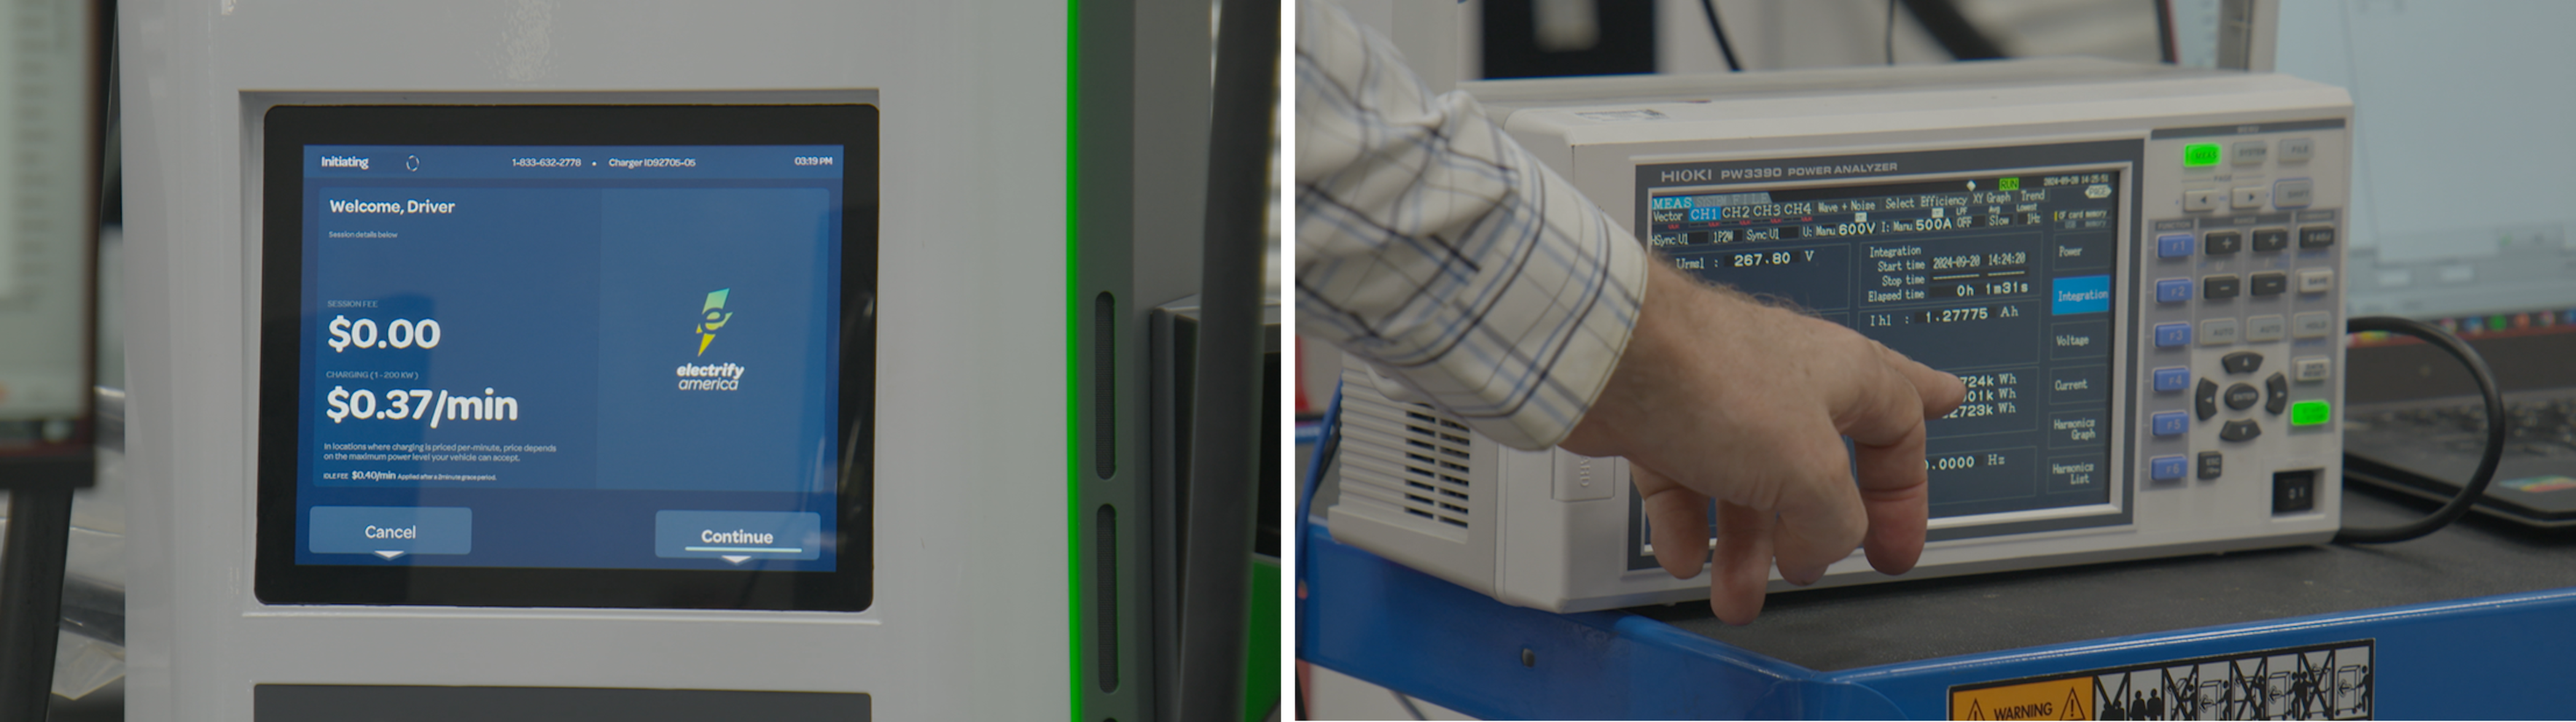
(1683, 331)
(1431, 245)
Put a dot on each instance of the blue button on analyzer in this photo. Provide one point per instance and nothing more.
(2173, 290)
(2169, 423)
(2167, 468)
(2173, 334)
(2079, 294)
(2173, 378)
(2174, 246)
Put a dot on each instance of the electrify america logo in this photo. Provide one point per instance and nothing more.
(712, 317)
(711, 377)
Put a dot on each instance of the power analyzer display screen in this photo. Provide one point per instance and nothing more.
(2004, 278)
(617, 358)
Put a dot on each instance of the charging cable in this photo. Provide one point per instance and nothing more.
(2496, 432)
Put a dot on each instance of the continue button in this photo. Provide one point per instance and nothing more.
(737, 536)
(391, 531)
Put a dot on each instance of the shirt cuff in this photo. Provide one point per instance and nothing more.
(1539, 358)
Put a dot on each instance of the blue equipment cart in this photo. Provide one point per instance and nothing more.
(2474, 621)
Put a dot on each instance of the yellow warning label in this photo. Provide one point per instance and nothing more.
(2056, 699)
(2320, 681)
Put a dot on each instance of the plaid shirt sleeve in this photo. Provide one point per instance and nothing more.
(1436, 248)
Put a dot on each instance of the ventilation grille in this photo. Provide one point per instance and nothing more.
(1437, 459)
(1105, 541)
(1104, 392)
(1409, 457)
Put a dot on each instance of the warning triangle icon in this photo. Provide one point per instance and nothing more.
(1975, 711)
(2074, 707)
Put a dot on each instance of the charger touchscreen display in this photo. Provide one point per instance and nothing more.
(601, 357)
(569, 356)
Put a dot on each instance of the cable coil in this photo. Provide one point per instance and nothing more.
(2487, 461)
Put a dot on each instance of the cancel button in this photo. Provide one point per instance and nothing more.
(391, 531)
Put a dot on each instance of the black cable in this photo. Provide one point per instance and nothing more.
(2496, 431)
(1889, 42)
(1225, 461)
(1961, 38)
(1724, 48)
(111, 168)
(31, 582)
(2165, 31)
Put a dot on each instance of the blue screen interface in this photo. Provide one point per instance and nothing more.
(574, 357)
(2004, 280)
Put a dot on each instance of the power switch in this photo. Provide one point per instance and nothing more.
(2294, 491)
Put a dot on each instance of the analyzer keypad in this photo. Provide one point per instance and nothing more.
(2243, 259)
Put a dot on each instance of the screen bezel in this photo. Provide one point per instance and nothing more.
(289, 128)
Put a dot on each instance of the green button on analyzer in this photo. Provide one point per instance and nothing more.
(2309, 413)
(2195, 155)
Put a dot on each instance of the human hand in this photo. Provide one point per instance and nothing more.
(1721, 397)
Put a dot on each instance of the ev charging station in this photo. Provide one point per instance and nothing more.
(452, 385)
